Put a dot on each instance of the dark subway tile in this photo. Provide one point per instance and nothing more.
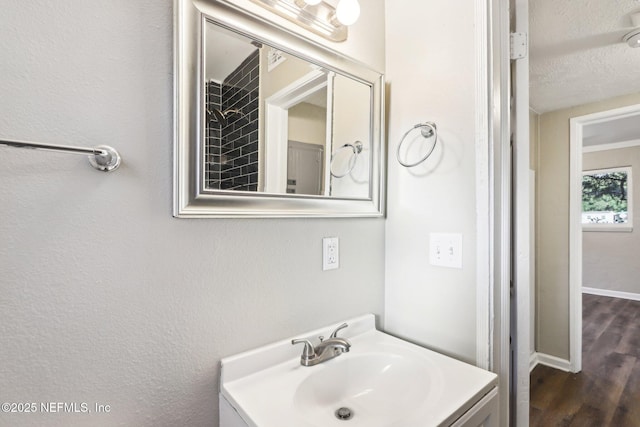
(242, 160)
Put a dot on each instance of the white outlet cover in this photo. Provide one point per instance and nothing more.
(330, 253)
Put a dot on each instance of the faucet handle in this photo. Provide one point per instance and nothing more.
(308, 352)
(334, 334)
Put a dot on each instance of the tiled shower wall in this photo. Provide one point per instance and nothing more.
(240, 138)
(213, 94)
(233, 164)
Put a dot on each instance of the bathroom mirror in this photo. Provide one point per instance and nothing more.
(270, 124)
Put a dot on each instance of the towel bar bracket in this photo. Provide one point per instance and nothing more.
(107, 162)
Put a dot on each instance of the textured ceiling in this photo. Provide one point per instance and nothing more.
(577, 54)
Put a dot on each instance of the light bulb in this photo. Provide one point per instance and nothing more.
(348, 11)
(312, 2)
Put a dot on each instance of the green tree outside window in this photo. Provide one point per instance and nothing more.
(605, 196)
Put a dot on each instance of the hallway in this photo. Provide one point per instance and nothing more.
(607, 391)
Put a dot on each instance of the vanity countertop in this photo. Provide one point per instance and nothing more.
(386, 381)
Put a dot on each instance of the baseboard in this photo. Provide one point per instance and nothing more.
(553, 362)
(610, 293)
(533, 361)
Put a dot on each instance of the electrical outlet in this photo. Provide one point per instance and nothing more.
(330, 253)
(445, 250)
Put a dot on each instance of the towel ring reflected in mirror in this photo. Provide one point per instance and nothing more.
(357, 149)
(427, 130)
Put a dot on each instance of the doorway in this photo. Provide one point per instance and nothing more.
(305, 168)
(595, 384)
(578, 126)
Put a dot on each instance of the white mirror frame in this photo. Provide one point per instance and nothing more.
(191, 198)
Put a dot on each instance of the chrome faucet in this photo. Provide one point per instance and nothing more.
(332, 347)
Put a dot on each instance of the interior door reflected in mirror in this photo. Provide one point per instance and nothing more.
(276, 123)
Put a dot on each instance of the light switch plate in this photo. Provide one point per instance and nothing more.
(330, 253)
(445, 249)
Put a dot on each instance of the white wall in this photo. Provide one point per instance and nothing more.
(350, 123)
(308, 124)
(105, 298)
(431, 75)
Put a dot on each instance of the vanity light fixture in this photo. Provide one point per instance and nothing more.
(317, 16)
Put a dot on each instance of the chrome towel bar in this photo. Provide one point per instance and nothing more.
(101, 157)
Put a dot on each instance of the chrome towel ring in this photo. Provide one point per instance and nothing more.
(357, 149)
(427, 130)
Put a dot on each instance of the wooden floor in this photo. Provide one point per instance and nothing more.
(607, 391)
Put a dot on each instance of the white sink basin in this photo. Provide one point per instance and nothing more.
(383, 381)
(378, 388)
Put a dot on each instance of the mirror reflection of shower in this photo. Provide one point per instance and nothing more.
(231, 110)
(231, 118)
(271, 118)
(223, 118)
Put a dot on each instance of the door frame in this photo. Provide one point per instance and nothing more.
(494, 317)
(521, 201)
(276, 130)
(509, 215)
(576, 127)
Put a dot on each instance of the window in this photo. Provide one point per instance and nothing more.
(607, 200)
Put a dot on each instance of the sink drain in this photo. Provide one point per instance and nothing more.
(344, 414)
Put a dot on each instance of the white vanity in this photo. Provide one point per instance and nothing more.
(381, 381)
